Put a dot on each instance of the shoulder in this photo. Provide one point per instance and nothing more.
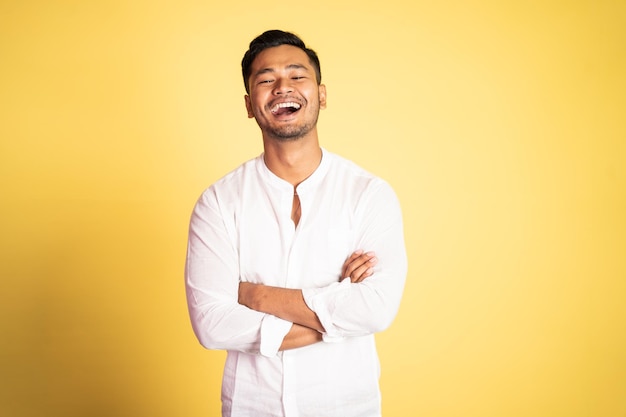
(342, 164)
(355, 177)
(227, 189)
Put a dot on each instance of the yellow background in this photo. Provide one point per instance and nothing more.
(501, 125)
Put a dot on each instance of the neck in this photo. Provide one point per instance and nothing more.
(293, 161)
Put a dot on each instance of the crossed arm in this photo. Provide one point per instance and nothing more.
(288, 304)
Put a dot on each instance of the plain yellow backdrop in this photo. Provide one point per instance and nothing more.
(501, 125)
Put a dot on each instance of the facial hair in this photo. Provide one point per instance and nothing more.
(289, 132)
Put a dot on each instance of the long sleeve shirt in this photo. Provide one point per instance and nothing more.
(241, 230)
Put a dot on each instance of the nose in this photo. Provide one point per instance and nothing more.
(282, 86)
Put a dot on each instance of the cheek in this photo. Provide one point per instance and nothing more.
(258, 105)
(313, 96)
(255, 110)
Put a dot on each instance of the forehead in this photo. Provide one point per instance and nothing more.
(279, 57)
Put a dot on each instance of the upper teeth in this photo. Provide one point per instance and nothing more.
(283, 105)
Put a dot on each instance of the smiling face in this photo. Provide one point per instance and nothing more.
(285, 98)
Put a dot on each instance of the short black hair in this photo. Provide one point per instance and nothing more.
(270, 39)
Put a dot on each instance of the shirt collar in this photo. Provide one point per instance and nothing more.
(305, 186)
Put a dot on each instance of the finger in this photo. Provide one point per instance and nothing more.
(366, 274)
(361, 273)
(362, 261)
(356, 254)
(356, 262)
(346, 268)
(352, 257)
(364, 271)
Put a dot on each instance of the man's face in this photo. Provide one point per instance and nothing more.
(284, 96)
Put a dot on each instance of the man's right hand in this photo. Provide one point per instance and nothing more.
(359, 266)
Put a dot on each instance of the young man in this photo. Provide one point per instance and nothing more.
(296, 258)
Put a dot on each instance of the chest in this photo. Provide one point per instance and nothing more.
(274, 251)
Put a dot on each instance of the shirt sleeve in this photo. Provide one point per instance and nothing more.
(212, 287)
(348, 309)
(273, 331)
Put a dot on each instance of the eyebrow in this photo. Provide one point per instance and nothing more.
(271, 70)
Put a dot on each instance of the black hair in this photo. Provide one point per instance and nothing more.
(270, 39)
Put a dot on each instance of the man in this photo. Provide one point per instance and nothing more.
(296, 258)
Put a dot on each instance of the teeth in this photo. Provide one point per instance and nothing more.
(283, 105)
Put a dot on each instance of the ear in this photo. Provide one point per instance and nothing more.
(322, 96)
(249, 106)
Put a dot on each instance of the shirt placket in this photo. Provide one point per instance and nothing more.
(289, 231)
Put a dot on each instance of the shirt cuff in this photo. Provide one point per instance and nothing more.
(273, 331)
(324, 301)
(332, 339)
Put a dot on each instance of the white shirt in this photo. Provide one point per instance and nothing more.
(241, 230)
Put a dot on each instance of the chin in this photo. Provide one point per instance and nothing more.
(288, 135)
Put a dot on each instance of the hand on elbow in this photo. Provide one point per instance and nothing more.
(359, 266)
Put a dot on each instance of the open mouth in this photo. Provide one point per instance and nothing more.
(285, 109)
